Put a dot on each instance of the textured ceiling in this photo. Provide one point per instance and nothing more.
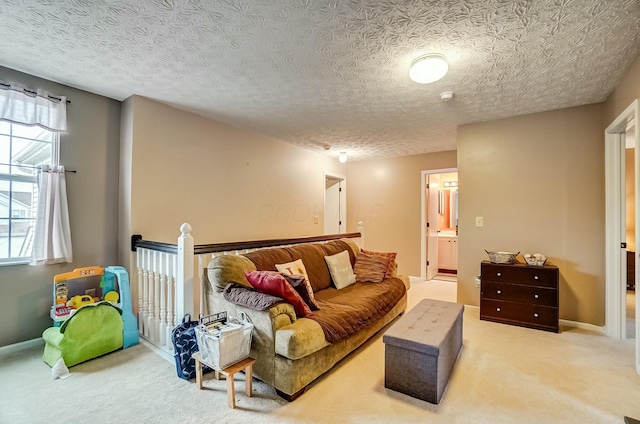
(315, 72)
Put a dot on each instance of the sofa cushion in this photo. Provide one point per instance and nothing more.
(391, 263)
(312, 254)
(340, 269)
(228, 268)
(275, 284)
(293, 268)
(370, 268)
(266, 259)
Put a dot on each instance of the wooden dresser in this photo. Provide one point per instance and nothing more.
(520, 294)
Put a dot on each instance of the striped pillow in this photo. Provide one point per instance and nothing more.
(391, 257)
(370, 268)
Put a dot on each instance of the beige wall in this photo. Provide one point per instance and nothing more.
(90, 147)
(625, 93)
(229, 184)
(385, 195)
(538, 181)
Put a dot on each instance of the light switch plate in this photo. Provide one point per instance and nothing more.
(479, 221)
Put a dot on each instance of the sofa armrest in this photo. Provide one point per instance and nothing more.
(282, 314)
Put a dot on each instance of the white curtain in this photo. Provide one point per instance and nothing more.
(52, 239)
(33, 108)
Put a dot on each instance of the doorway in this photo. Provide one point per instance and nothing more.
(439, 224)
(629, 330)
(335, 204)
(626, 124)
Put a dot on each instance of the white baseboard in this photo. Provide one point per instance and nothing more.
(18, 347)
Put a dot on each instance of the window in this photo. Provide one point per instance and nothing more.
(23, 149)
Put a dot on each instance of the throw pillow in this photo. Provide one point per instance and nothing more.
(274, 283)
(293, 268)
(340, 269)
(371, 268)
(391, 257)
(303, 287)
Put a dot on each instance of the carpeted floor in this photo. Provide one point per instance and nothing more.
(504, 374)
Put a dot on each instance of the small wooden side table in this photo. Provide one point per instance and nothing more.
(245, 364)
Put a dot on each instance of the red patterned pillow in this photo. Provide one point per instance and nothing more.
(391, 257)
(274, 283)
(370, 268)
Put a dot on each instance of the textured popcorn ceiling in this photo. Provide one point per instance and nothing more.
(316, 72)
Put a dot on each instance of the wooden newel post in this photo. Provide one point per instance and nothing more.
(360, 229)
(184, 285)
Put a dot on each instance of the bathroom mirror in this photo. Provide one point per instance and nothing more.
(448, 208)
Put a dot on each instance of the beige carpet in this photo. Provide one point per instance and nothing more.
(504, 374)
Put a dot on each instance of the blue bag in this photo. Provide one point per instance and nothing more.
(185, 344)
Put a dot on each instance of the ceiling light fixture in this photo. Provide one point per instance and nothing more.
(428, 68)
(342, 157)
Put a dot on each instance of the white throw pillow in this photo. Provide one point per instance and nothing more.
(293, 268)
(341, 269)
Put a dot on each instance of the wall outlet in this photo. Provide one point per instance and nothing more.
(90, 292)
(316, 219)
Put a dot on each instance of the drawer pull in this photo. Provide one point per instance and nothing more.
(499, 274)
(535, 277)
(536, 296)
(535, 315)
(498, 309)
(499, 292)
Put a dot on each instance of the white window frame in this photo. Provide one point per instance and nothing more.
(54, 161)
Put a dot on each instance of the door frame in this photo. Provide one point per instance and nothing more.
(615, 303)
(423, 218)
(342, 227)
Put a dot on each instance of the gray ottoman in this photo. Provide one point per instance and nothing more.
(421, 349)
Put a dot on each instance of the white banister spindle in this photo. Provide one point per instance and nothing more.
(162, 322)
(145, 295)
(140, 264)
(184, 289)
(201, 287)
(171, 281)
(360, 229)
(152, 276)
(157, 269)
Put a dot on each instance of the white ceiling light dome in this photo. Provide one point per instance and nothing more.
(428, 68)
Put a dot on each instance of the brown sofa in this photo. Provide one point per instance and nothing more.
(291, 352)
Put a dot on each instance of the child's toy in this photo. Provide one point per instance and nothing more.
(92, 329)
(80, 300)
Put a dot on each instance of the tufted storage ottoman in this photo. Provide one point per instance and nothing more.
(421, 349)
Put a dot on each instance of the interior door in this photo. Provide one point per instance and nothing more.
(432, 225)
(334, 205)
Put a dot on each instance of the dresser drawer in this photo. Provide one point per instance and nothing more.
(516, 293)
(520, 274)
(526, 315)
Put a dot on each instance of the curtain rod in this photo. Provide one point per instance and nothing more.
(34, 167)
(26, 90)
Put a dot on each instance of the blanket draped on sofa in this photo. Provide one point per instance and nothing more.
(342, 314)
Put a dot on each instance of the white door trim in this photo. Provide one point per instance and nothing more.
(423, 218)
(615, 306)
